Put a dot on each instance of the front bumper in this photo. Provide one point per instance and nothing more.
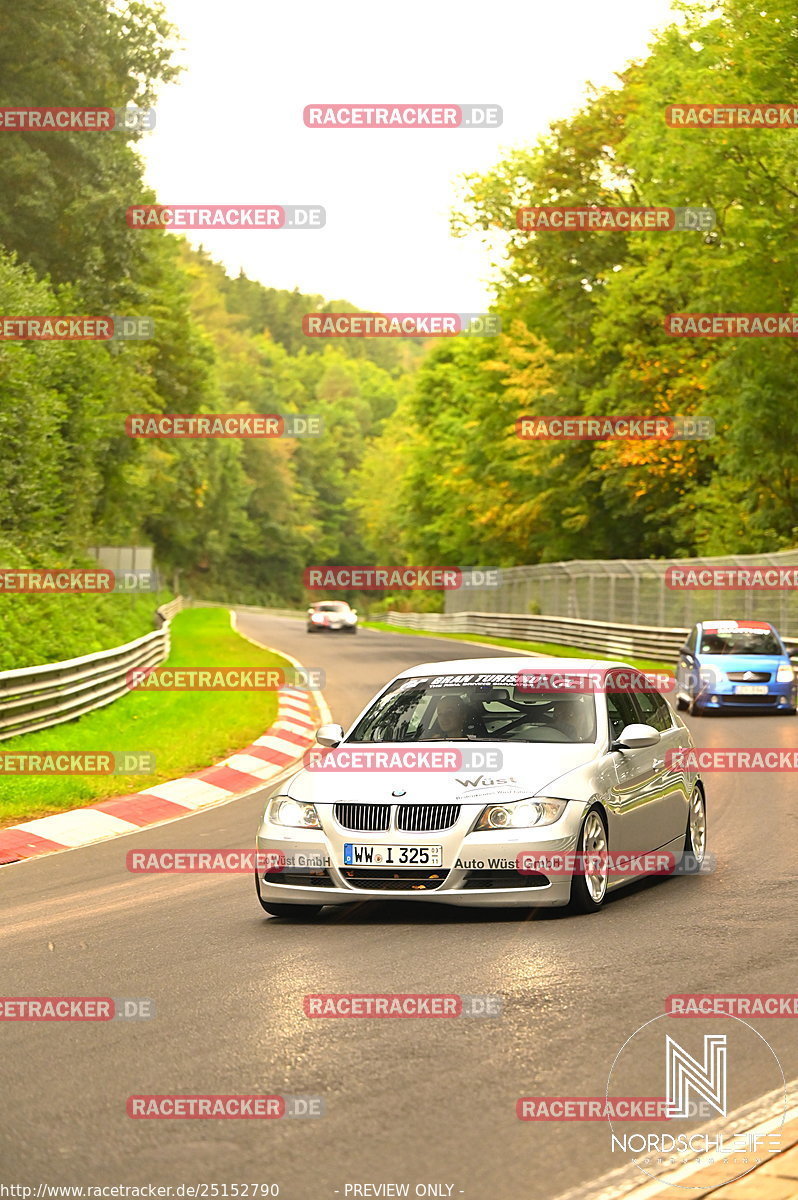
(330, 627)
(479, 868)
(779, 696)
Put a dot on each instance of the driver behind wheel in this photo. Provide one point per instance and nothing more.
(572, 717)
(455, 719)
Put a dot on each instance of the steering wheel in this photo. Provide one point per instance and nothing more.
(476, 725)
(553, 734)
(521, 721)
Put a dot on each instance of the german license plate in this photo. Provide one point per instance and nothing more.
(751, 689)
(356, 855)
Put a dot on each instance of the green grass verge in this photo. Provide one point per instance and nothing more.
(551, 648)
(43, 629)
(186, 731)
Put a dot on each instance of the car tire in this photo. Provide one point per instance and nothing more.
(695, 709)
(681, 703)
(587, 897)
(695, 838)
(352, 629)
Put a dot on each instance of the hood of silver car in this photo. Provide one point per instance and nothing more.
(525, 770)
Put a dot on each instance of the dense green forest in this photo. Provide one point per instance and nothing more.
(583, 314)
(419, 461)
(227, 518)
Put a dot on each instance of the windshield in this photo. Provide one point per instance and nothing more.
(744, 639)
(472, 708)
(331, 606)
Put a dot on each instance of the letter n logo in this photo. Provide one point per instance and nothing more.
(684, 1074)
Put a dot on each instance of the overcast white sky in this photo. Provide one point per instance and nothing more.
(231, 131)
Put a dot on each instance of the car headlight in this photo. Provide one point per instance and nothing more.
(520, 814)
(785, 674)
(283, 810)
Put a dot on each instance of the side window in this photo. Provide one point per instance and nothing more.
(654, 710)
(620, 709)
(665, 713)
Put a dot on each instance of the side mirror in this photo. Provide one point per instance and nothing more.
(329, 735)
(354, 611)
(637, 737)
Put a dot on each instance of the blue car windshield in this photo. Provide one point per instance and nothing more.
(740, 641)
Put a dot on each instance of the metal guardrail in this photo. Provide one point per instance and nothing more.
(634, 591)
(169, 610)
(621, 641)
(34, 698)
(641, 641)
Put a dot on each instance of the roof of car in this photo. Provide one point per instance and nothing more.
(512, 663)
(745, 622)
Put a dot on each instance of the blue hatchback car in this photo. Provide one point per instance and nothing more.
(735, 664)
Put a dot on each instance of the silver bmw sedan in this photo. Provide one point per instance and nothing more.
(496, 781)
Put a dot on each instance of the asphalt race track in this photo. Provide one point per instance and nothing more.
(421, 1101)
